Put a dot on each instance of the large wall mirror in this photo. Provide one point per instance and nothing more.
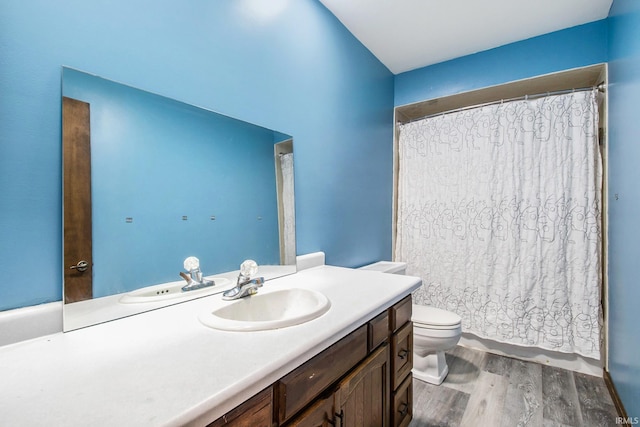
(150, 181)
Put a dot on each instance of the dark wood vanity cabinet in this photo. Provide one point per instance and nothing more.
(362, 380)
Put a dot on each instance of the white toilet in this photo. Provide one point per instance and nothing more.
(434, 332)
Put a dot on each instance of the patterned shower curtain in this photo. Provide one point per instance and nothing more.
(499, 213)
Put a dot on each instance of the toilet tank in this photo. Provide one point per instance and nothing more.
(387, 267)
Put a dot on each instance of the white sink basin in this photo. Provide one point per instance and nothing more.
(173, 290)
(268, 310)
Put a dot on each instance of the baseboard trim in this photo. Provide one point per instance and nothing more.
(614, 394)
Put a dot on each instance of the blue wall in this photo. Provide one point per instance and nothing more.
(284, 64)
(624, 201)
(558, 51)
(155, 160)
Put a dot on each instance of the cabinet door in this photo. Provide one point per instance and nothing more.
(402, 410)
(401, 355)
(320, 414)
(255, 412)
(362, 397)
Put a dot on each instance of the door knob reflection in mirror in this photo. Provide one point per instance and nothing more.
(81, 266)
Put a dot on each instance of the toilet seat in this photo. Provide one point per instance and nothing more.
(434, 318)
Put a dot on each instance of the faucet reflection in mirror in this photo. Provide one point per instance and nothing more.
(144, 212)
(194, 278)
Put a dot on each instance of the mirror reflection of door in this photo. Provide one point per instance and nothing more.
(286, 201)
(76, 149)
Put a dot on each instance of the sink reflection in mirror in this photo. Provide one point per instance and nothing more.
(268, 310)
(164, 180)
(173, 290)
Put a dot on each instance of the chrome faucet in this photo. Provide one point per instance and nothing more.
(245, 285)
(194, 278)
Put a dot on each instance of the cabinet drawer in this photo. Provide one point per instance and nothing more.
(378, 330)
(402, 354)
(402, 411)
(298, 388)
(400, 313)
(255, 412)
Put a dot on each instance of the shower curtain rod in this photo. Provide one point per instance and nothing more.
(600, 87)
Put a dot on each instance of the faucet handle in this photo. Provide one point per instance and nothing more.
(191, 263)
(248, 268)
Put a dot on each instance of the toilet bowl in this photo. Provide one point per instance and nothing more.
(434, 332)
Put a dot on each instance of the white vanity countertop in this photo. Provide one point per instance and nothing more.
(164, 368)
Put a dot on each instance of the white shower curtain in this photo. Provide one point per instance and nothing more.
(288, 204)
(499, 213)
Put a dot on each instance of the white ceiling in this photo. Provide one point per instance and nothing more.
(409, 34)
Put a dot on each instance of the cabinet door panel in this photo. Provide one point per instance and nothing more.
(362, 396)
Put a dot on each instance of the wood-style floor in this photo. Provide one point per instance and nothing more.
(486, 390)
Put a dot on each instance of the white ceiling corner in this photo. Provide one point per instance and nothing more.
(409, 34)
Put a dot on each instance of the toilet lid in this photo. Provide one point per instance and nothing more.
(425, 315)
